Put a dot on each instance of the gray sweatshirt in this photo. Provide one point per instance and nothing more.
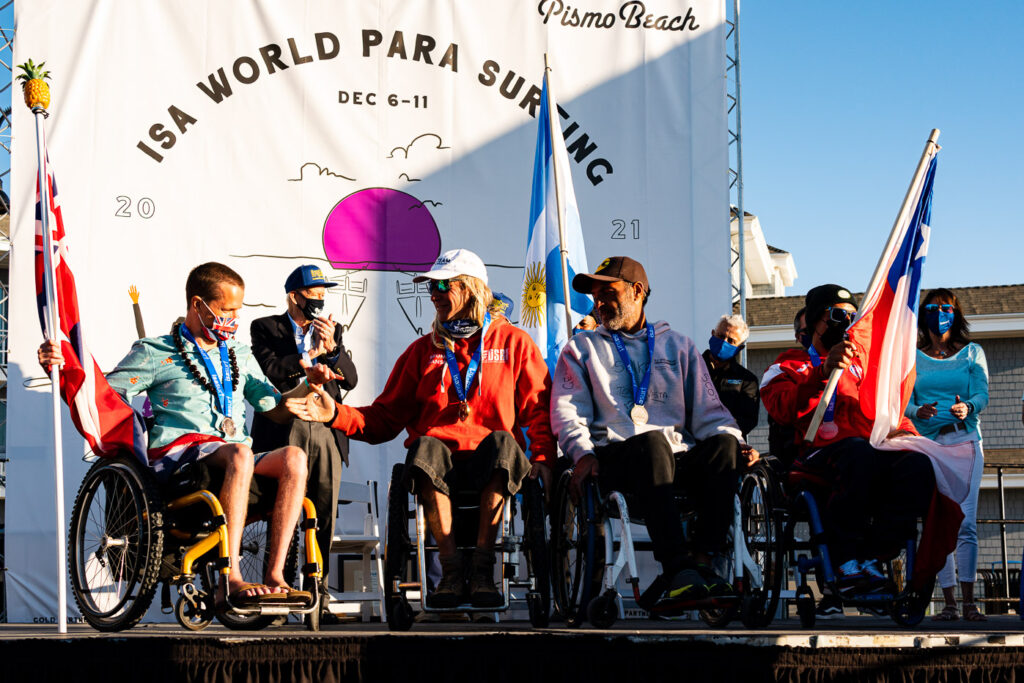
(592, 392)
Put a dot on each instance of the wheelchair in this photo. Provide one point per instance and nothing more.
(592, 545)
(776, 502)
(125, 541)
(405, 559)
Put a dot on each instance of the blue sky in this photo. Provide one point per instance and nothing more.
(838, 100)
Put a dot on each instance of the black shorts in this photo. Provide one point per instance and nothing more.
(498, 452)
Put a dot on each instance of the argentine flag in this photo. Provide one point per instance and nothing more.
(543, 311)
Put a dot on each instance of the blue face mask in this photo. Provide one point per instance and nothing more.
(805, 340)
(939, 322)
(721, 349)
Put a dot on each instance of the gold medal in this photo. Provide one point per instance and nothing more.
(638, 414)
(227, 426)
(463, 411)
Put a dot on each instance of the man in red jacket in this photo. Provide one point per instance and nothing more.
(895, 486)
(462, 393)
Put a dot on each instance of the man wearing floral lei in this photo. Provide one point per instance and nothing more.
(198, 379)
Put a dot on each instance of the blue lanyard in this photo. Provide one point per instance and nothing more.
(224, 397)
(474, 363)
(639, 392)
(830, 409)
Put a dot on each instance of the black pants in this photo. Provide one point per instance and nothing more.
(877, 493)
(646, 467)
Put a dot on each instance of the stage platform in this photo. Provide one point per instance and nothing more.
(854, 648)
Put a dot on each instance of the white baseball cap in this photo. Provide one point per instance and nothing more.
(454, 263)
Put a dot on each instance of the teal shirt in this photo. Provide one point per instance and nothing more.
(180, 405)
(965, 373)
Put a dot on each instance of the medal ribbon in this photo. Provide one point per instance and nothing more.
(639, 392)
(471, 369)
(830, 409)
(224, 390)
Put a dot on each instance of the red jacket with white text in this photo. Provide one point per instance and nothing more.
(791, 390)
(512, 389)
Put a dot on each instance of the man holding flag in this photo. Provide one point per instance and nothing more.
(554, 248)
(853, 431)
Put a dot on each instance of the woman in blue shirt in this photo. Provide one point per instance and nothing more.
(950, 391)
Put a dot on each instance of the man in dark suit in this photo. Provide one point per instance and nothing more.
(283, 344)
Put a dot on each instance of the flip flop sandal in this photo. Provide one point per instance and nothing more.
(948, 613)
(972, 613)
(239, 598)
(293, 595)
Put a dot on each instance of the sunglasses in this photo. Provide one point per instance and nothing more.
(945, 308)
(443, 286)
(839, 315)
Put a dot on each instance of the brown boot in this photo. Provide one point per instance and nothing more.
(482, 591)
(451, 589)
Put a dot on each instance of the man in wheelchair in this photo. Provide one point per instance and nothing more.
(633, 405)
(463, 392)
(866, 488)
(199, 413)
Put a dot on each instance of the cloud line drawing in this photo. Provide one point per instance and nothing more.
(405, 150)
(411, 180)
(320, 171)
(287, 258)
(424, 203)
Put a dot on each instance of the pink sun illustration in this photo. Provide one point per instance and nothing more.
(381, 229)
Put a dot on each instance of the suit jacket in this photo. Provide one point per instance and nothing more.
(273, 344)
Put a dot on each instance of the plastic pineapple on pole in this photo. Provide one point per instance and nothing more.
(37, 98)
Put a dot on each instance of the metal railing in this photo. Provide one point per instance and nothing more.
(1003, 572)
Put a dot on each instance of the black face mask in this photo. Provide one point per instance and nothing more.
(312, 308)
(834, 333)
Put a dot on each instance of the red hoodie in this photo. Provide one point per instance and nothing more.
(512, 389)
(791, 390)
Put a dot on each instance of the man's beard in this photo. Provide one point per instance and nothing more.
(627, 311)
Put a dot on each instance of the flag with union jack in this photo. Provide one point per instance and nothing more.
(105, 419)
(885, 330)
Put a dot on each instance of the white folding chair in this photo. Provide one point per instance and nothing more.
(367, 580)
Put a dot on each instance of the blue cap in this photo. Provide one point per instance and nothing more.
(501, 304)
(307, 276)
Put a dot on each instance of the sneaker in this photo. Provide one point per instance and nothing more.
(849, 576)
(451, 589)
(482, 591)
(717, 586)
(688, 585)
(829, 607)
(873, 573)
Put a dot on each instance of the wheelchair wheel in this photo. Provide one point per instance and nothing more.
(116, 543)
(805, 607)
(761, 522)
(603, 610)
(397, 547)
(535, 546)
(577, 557)
(253, 561)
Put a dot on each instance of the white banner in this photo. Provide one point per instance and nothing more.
(362, 136)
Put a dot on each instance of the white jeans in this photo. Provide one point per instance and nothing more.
(967, 543)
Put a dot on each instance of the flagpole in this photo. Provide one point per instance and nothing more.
(930, 148)
(553, 120)
(53, 324)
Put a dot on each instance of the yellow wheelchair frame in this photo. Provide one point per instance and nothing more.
(124, 541)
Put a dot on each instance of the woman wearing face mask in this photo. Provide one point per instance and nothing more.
(950, 391)
(736, 386)
(462, 393)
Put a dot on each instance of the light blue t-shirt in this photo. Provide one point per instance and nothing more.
(941, 380)
(179, 404)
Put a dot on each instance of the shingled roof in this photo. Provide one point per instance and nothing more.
(996, 299)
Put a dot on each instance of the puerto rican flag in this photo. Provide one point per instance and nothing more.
(885, 329)
(107, 422)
